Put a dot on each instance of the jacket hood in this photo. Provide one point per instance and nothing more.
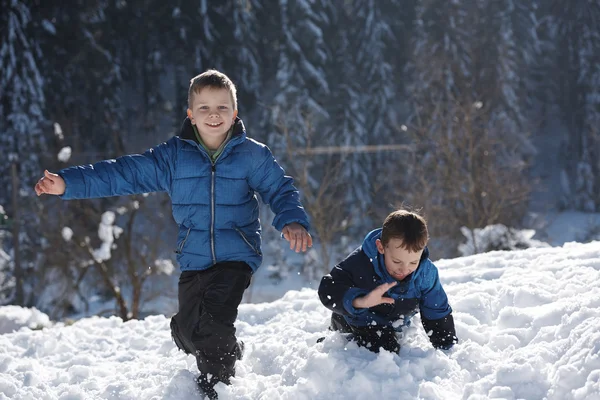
(369, 247)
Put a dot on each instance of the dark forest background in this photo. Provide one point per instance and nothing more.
(478, 112)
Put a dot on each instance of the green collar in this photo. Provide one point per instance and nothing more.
(214, 154)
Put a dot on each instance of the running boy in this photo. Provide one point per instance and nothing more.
(377, 289)
(211, 171)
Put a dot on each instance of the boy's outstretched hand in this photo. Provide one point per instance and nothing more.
(375, 297)
(50, 184)
(298, 237)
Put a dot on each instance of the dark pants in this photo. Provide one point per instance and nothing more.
(371, 337)
(208, 307)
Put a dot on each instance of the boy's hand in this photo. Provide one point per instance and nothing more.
(374, 298)
(50, 184)
(298, 237)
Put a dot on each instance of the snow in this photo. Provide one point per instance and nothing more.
(164, 266)
(107, 232)
(58, 131)
(497, 237)
(528, 323)
(64, 154)
(13, 318)
(4, 259)
(67, 233)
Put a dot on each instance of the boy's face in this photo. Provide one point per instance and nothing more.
(213, 114)
(399, 261)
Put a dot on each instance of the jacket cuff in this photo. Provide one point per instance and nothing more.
(287, 217)
(75, 187)
(349, 297)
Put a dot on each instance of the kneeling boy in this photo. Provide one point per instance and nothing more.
(376, 290)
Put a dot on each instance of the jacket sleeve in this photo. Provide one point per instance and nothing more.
(337, 290)
(436, 313)
(277, 190)
(151, 171)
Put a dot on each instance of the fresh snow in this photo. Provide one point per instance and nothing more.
(528, 323)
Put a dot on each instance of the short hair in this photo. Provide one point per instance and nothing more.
(211, 79)
(407, 226)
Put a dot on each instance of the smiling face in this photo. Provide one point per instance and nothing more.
(212, 111)
(399, 262)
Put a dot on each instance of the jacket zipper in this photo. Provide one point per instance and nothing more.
(212, 195)
(212, 212)
(212, 199)
(247, 242)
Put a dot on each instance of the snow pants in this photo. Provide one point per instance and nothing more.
(208, 308)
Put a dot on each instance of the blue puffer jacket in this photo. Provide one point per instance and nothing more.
(364, 270)
(214, 204)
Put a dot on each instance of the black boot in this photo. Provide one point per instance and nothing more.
(207, 387)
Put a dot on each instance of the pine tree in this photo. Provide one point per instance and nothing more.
(377, 33)
(22, 126)
(574, 30)
(223, 36)
(103, 75)
(472, 135)
(301, 80)
(362, 95)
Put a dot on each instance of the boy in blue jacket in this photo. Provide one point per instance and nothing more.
(377, 289)
(211, 171)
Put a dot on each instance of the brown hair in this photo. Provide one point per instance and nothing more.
(211, 79)
(407, 226)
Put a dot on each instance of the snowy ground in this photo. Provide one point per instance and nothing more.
(529, 324)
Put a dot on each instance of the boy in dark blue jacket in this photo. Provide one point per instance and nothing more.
(377, 289)
(211, 171)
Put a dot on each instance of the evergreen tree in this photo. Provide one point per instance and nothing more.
(223, 36)
(22, 126)
(468, 72)
(301, 80)
(574, 29)
(378, 33)
(104, 70)
(362, 94)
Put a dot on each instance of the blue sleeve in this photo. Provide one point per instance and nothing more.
(277, 190)
(349, 296)
(151, 171)
(434, 301)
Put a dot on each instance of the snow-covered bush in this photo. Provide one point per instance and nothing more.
(497, 237)
(13, 318)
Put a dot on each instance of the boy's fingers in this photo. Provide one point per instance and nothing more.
(48, 175)
(48, 185)
(309, 240)
(43, 188)
(292, 241)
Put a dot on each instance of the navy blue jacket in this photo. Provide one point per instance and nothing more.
(214, 204)
(364, 269)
